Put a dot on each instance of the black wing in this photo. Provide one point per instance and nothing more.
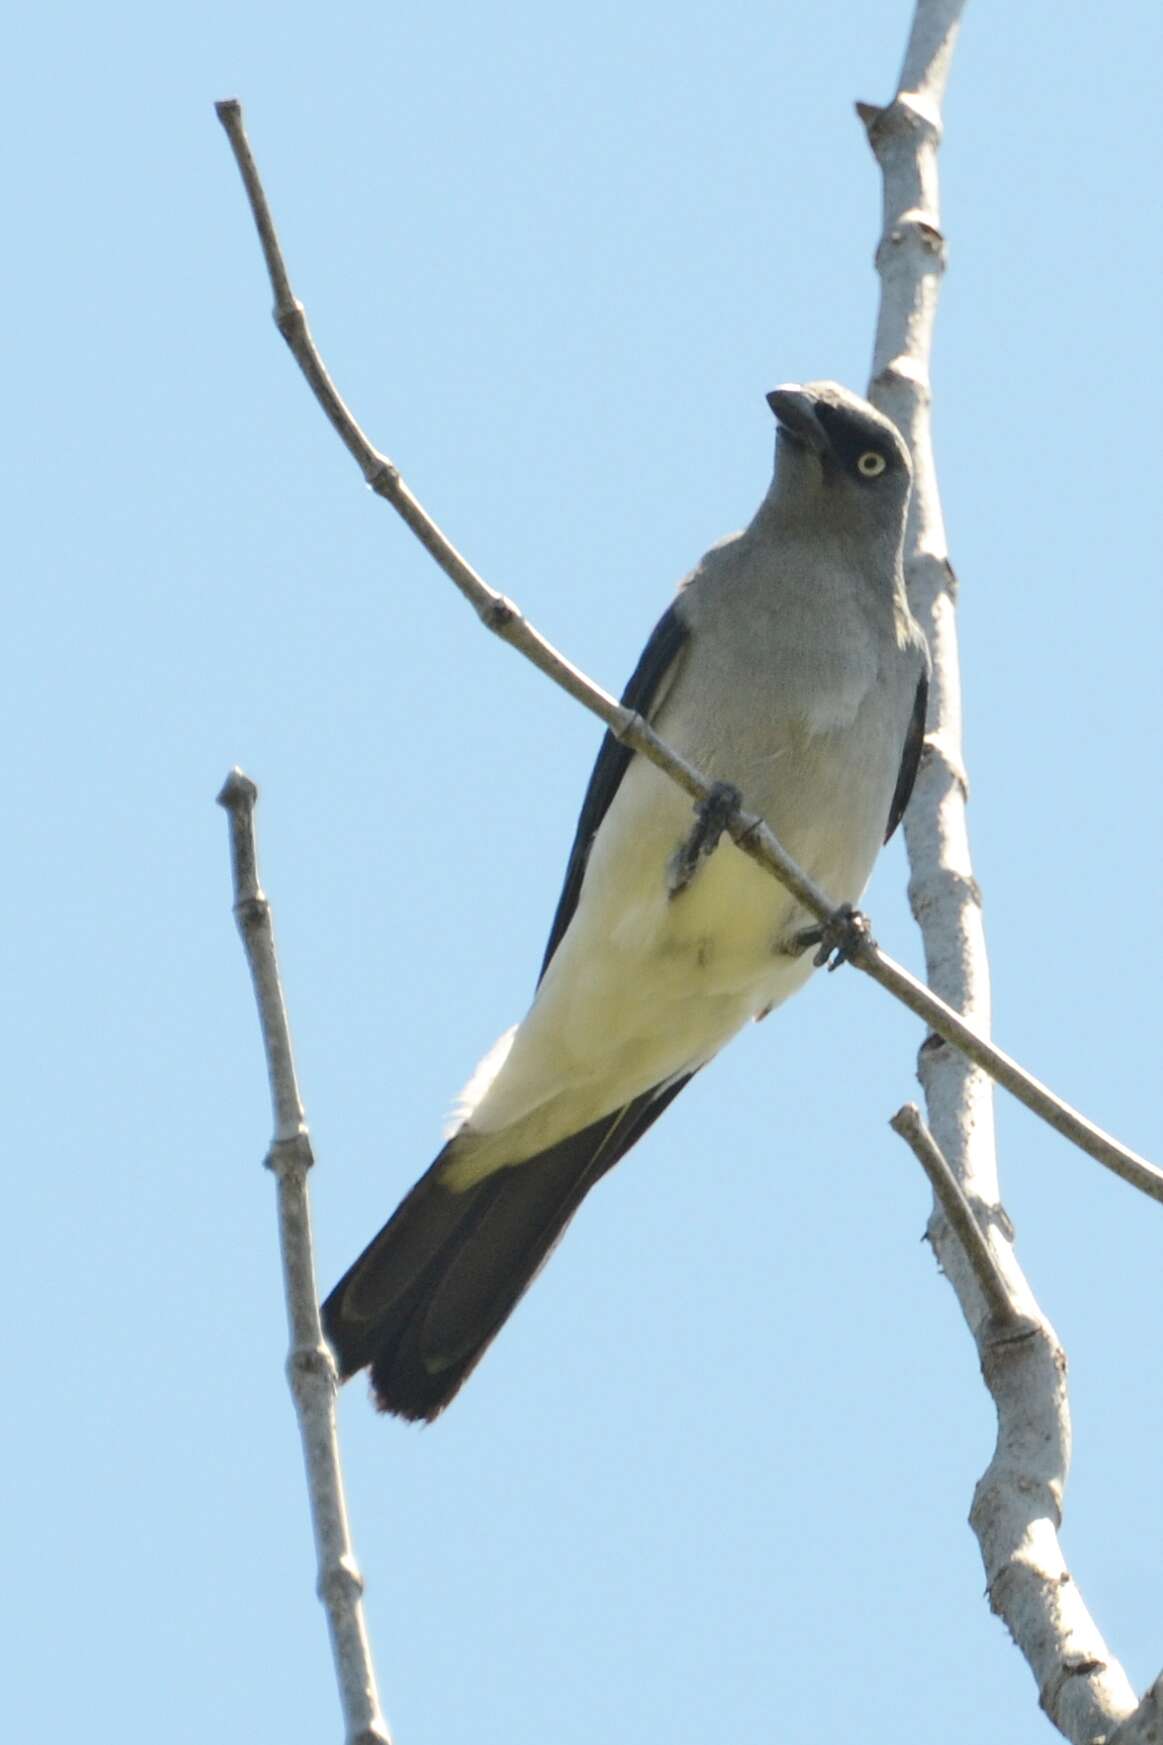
(910, 758)
(666, 643)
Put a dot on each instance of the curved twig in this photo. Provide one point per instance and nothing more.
(747, 829)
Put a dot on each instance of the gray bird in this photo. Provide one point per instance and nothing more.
(788, 665)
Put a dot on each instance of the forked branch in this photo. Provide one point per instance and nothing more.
(1017, 1506)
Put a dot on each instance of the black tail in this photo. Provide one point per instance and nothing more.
(430, 1292)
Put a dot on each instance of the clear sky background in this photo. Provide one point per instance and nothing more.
(712, 1481)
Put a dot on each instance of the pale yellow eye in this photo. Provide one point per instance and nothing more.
(871, 464)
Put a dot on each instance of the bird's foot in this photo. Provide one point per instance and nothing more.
(712, 816)
(846, 931)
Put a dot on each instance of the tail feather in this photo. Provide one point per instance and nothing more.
(430, 1292)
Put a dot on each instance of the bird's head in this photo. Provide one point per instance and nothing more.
(837, 456)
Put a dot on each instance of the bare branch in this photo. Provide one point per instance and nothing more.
(1016, 1514)
(1017, 1503)
(992, 1280)
(1002, 1067)
(310, 1368)
(747, 829)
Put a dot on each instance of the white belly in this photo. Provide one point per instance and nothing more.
(643, 987)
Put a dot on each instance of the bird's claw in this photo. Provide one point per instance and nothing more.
(712, 816)
(846, 931)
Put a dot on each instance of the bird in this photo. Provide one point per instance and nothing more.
(789, 670)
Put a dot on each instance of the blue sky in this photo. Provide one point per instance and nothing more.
(713, 1479)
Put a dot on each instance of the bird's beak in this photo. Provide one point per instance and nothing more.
(795, 410)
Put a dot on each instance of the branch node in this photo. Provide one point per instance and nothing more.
(870, 117)
(291, 1155)
(341, 1583)
(252, 911)
(914, 226)
(941, 747)
(308, 1366)
(962, 885)
(238, 792)
(499, 614)
(921, 112)
(912, 118)
(904, 373)
(291, 320)
(994, 1331)
(383, 476)
(1071, 1667)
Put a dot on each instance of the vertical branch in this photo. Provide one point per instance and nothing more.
(910, 258)
(310, 1370)
(1016, 1508)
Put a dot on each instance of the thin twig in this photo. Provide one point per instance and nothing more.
(747, 829)
(1005, 1071)
(909, 1123)
(1017, 1503)
(310, 1369)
